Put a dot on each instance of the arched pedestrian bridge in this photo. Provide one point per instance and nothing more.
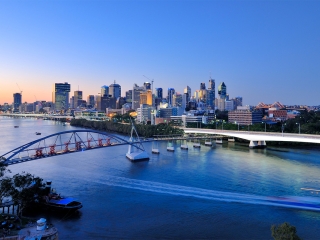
(64, 143)
(258, 139)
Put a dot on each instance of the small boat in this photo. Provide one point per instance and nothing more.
(16, 126)
(54, 201)
(38, 133)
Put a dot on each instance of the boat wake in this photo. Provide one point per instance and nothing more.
(306, 203)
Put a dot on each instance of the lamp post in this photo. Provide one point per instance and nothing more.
(222, 124)
(282, 128)
(265, 126)
(299, 127)
(238, 125)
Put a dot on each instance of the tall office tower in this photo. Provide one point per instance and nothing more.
(188, 91)
(171, 91)
(238, 101)
(77, 99)
(177, 100)
(104, 91)
(17, 101)
(90, 101)
(211, 95)
(146, 97)
(159, 93)
(115, 90)
(120, 102)
(60, 96)
(147, 85)
(71, 102)
(222, 91)
(129, 96)
(136, 90)
(202, 86)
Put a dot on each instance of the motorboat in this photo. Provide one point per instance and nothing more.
(16, 126)
(38, 133)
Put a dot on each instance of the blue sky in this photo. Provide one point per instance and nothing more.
(264, 51)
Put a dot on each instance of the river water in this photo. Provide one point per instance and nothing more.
(206, 193)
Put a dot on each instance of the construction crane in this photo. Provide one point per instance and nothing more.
(19, 89)
(151, 83)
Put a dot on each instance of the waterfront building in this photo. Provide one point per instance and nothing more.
(222, 91)
(244, 117)
(136, 96)
(17, 101)
(104, 91)
(60, 96)
(171, 91)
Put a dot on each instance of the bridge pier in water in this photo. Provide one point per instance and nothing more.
(257, 144)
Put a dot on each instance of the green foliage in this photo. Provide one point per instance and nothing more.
(125, 128)
(284, 232)
(25, 189)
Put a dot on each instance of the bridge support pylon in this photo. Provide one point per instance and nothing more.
(257, 144)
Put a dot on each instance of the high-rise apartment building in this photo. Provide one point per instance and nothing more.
(60, 96)
(17, 101)
(115, 90)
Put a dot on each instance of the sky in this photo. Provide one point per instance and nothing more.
(264, 51)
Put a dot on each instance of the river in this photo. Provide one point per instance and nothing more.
(206, 193)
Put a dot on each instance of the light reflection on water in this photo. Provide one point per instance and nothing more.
(170, 196)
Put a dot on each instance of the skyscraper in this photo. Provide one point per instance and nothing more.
(171, 91)
(187, 90)
(115, 90)
(77, 99)
(147, 85)
(222, 91)
(104, 91)
(60, 96)
(17, 101)
(211, 95)
(146, 97)
(90, 101)
(202, 86)
(136, 96)
(159, 93)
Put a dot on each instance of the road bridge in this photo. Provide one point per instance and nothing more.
(258, 139)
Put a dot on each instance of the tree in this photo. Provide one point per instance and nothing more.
(25, 189)
(284, 232)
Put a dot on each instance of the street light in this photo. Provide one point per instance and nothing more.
(238, 125)
(265, 126)
(299, 127)
(282, 128)
(222, 124)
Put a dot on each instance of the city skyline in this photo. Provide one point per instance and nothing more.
(264, 51)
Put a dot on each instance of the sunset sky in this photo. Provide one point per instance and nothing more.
(264, 51)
